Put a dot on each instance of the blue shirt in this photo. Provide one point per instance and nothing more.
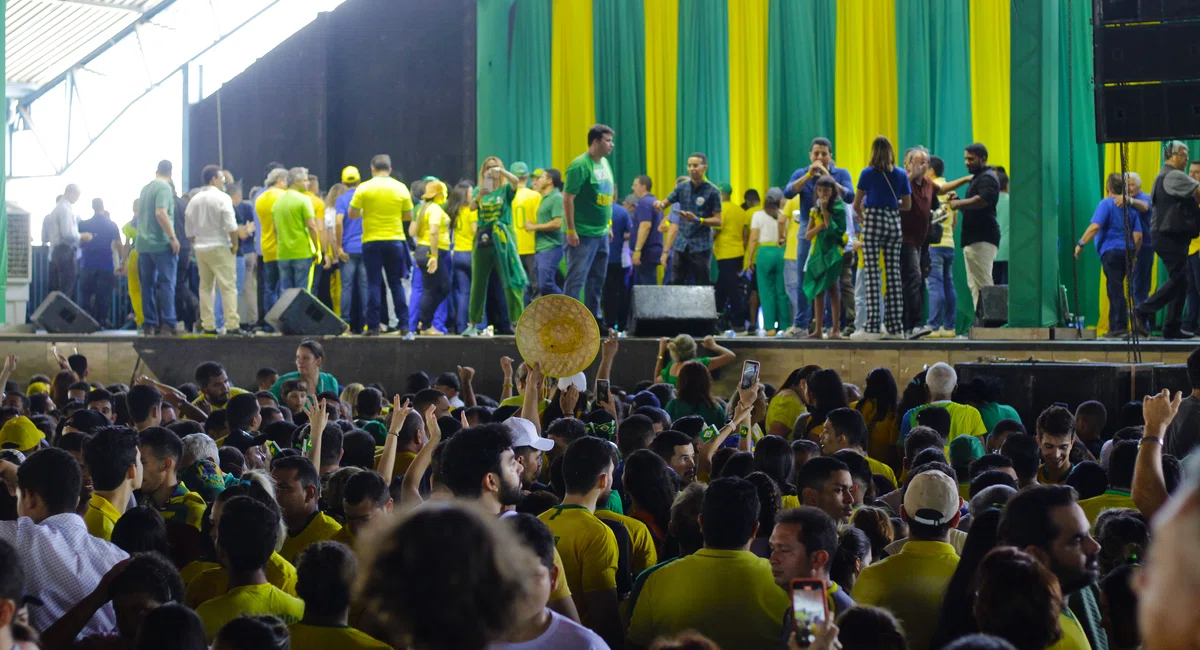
(1143, 218)
(97, 254)
(244, 214)
(621, 226)
(1111, 220)
(808, 192)
(704, 201)
(883, 189)
(644, 212)
(351, 228)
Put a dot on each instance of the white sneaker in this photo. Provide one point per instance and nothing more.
(863, 335)
(920, 331)
(889, 336)
(794, 332)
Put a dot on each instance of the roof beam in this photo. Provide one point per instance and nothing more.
(104, 4)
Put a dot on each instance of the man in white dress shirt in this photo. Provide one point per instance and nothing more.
(212, 227)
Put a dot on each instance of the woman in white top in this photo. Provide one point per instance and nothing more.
(768, 233)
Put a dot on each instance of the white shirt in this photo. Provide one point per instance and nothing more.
(767, 227)
(63, 564)
(63, 225)
(210, 219)
(562, 634)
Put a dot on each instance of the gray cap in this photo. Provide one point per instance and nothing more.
(775, 194)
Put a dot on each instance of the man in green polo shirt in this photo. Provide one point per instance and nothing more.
(548, 231)
(295, 232)
(588, 194)
(158, 251)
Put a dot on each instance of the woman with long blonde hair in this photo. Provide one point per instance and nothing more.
(495, 245)
(883, 191)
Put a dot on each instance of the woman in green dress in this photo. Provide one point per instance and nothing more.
(495, 245)
(823, 269)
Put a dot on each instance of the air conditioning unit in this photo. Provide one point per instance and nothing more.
(20, 265)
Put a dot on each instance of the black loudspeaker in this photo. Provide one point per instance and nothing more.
(299, 312)
(1173, 377)
(670, 310)
(58, 314)
(1107, 12)
(993, 305)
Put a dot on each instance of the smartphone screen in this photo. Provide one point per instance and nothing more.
(602, 394)
(749, 373)
(808, 605)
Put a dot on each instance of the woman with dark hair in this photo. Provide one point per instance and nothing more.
(1018, 599)
(768, 233)
(880, 410)
(769, 506)
(651, 487)
(61, 386)
(826, 392)
(852, 556)
(253, 633)
(877, 526)
(773, 457)
(739, 465)
(883, 191)
(693, 395)
(984, 393)
(310, 355)
(956, 618)
(914, 394)
(463, 222)
(789, 402)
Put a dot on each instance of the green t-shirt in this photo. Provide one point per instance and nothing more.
(551, 208)
(290, 213)
(497, 205)
(150, 236)
(592, 185)
(1002, 218)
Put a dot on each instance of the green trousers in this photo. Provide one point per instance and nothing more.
(772, 294)
(483, 262)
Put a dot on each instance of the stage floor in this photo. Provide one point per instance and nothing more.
(117, 355)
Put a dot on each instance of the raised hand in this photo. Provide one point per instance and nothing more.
(399, 414)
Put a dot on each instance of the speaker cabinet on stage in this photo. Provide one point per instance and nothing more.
(669, 310)
(299, 312)
(58, 314)
(993, 305)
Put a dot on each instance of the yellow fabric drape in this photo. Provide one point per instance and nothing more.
(572, 92)
(748, 96)
(1145, 159)
(991, 69)
(865, 98)
(662, 72)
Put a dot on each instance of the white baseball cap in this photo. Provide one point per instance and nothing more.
(932, 498)
(578, 379)
(524, 434)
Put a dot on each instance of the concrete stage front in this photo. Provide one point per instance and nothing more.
(389, 360)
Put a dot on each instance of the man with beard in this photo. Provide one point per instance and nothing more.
(528, 447)
(677, 448)
(215, 390)
(980, 229)
(587, 545)
(1046, 521)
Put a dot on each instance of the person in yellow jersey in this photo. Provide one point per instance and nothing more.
(297, 488)
(463, 222)
(327, 572)
(366, 499)
(1120, 482)
(525, 205)
(826, 483)
(845, 428)
(161, 451)
(587, 546)
(940, 382)
(264, 205)
(129, 265)
(729, 248)
(296, 236)
(246, 538)
(384, 204)
(1047, 522)
(431, 228)
(215, 390)
(115, 465)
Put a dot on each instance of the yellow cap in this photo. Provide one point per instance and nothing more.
(350, 174)
(21, 432)
(434, 189)
(37, 388)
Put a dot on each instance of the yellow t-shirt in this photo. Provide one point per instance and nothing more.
(263, 208)
(101, 517)
(251, 600)
(785, 408)
(233, 392)
(562, 589)
(194, 569)
(728, 596)
(524, 208)
(882, 469)
(383, 201)
(321, 528)
(884, 434)
(1073, 638)
(793, 231)
(790, 501)
(964, 419)
(323, 637)
(947, 231)
(464, 230)
(643, 552)
(185, 507)
(728, 242)
(212, 581)
(318, 210)
(587, 546)
(911, 585)
(1194, 246)
(1110, 499)
(432, 213)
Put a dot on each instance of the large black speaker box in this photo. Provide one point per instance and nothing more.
(993, 305)
(58, 314)
(669, 310)
(299, 312)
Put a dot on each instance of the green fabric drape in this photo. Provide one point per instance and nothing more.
(1083, 168)
(493, 135)
(800, 82)
(915, 54)
(529, 85)
(702, 110)
(620, 71)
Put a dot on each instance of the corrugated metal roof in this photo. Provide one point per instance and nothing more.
(43, 38)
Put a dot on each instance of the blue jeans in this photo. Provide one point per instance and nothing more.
(547, 271)
(647, 271)
(390, 258)
(354, 291)
(294, 273)
(1143, 268)
(270, 288)
(156, 271)
(240, 263)
(943, 304)
(587, 265)
(462, 289)
(418, 291)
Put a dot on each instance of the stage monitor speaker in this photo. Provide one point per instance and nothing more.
(993, 305)
(670, 310)
(299, 312)
(58, 314)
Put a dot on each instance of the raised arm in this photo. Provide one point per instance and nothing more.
(532, 396)
(465, 375)
(608, 352)
(724, 356)
(1149, 485)
(410, 492)
(506, 391)
(318, 417)
(176, 398)
(386, 465)
(659, 362)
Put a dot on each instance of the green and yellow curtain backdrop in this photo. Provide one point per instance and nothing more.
(752, 82)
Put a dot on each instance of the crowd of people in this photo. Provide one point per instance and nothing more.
(307, 511)
(435, 257)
